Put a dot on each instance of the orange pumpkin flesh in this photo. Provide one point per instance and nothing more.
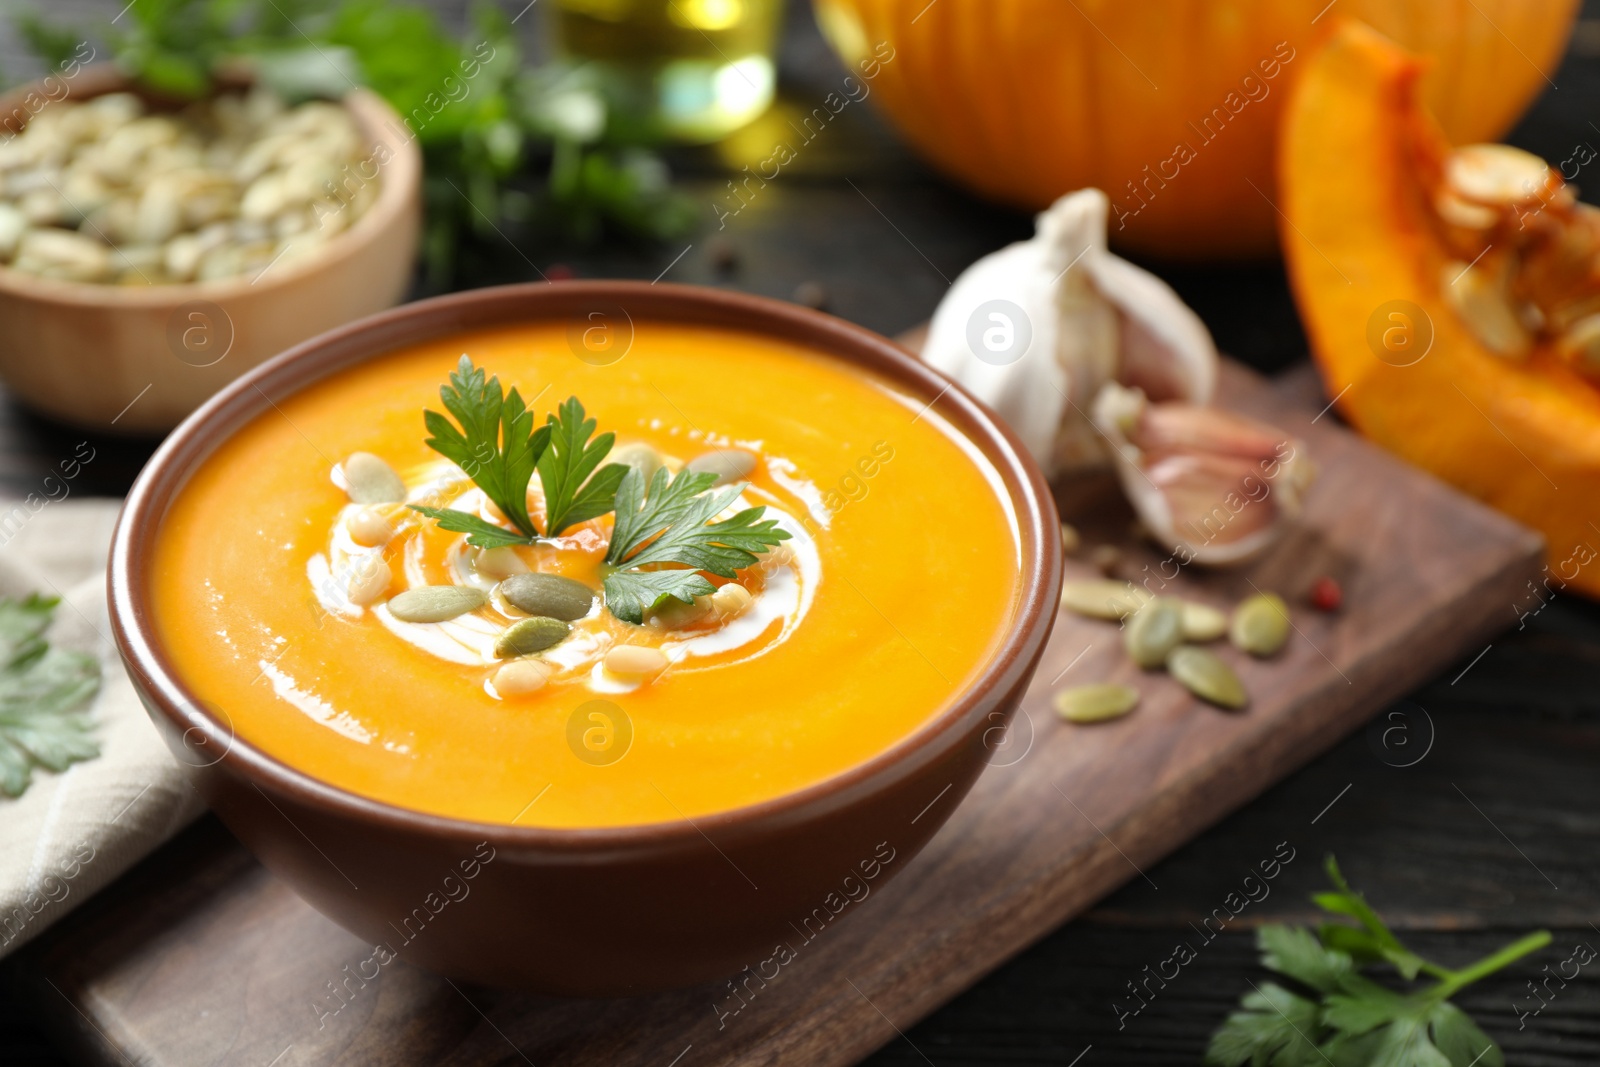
(1359, 234)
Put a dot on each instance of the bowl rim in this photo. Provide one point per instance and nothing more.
(132, 616)
(399, 188)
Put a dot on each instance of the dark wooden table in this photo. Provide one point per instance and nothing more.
(1493, 832)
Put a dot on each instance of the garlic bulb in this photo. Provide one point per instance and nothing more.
(1037, 328)
(1092, 360)
(1212, 486)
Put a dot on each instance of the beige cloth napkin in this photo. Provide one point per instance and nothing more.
(72, 833)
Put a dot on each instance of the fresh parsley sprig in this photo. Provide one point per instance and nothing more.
(663, 541)
(1341, 1018)
(43, 690)
(571, 496)
(670, 525)
(498, 448)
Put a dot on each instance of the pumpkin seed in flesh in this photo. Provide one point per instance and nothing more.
(372, 481)
(1204, 674)
(1497, 174)
(436, 603)
(1103, 599)
(1260, 624)
(1201, 622)
(550, 595)
(1482, 301)
(1153, 631)
(728, 464)
(1095, 703)
(531, 635)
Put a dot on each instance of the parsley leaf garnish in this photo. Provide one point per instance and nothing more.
(669, 502)
(43, 690)
(629, 594)
(671, 525)
(484, 534)
(498, 448)
(570, 495)
(496, 445)
(1343, 1018)
(663, 541)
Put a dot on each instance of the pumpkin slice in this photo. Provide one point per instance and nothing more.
(1377, 272)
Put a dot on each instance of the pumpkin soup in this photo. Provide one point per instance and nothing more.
(716, 571)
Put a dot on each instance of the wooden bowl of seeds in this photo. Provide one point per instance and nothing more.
(153, 250)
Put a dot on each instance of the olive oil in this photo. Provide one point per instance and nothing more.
(705, 67)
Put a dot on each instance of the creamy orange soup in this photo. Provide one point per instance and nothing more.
(898, 581)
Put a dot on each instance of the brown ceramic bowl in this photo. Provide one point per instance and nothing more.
(137, 359)
(590, 912)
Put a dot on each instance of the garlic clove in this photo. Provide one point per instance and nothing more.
(1038, 328)
(1187, 429)
(1166, 350)
(1213, 487)
(1001, 333)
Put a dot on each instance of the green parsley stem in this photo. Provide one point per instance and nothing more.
(1435, 970)
(1458, 980)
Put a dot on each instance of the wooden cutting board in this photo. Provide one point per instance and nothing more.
(201, 957)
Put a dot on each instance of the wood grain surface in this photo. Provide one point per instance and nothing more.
(201, 957)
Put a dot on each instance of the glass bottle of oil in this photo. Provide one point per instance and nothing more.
(704, 67)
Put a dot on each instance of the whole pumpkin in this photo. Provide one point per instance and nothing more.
(1170, 106)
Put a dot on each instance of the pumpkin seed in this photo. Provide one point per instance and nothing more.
(1580, 346)
(63, 254)
(436, 603)
(1204, 674)
(677, 615)
(370, 527)
(1105, 559)
(1070, 539)
(13, 224)
(1497, 174)
(132, 183)
(728, 464)
(1153, 631)
(521, 677)
(1480, 298)
(372, 481)
(1260, 624)
(368, 579)
(498, 563)
(1104, 599)
(531, 635)
(549, 595)
(635, 660)
(640, 456)
(1463, 213)
(731, 599)
(1201, 622)
(1096, 703)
